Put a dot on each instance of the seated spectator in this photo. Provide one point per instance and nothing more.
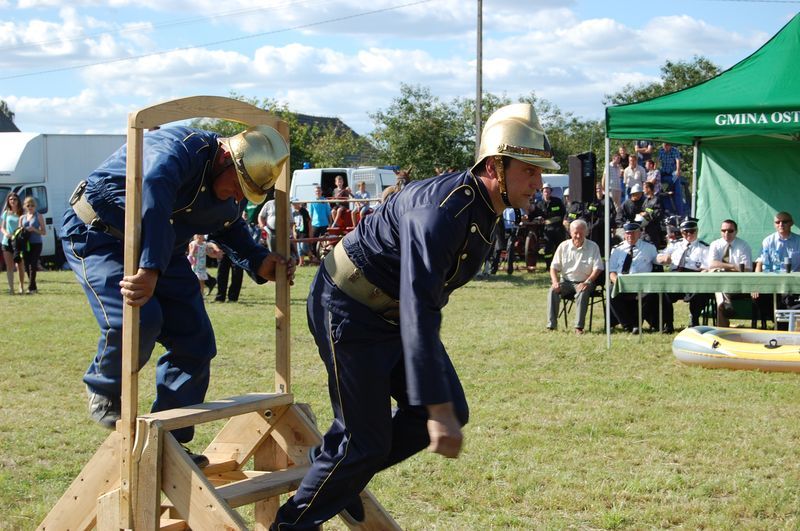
(340, 192)
(729, 253)
(360, 208)
(689, 254)
(780, 251)
(576, 265)
(633, 255)
(631, 207)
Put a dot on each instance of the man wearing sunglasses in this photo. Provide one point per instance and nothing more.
(780, 252)
(729, 253)
(689, 254)
(194, 182)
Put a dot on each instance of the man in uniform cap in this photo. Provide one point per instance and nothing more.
(375, 310)
(194, 182)
(689, 254)
(633, 255)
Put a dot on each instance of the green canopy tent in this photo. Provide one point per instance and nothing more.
(744, 125)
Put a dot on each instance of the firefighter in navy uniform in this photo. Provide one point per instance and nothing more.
(193, 182)
(375, 310)
(552, 211)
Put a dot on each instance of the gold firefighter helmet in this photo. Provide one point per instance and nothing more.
(514, 131)
(259, 153)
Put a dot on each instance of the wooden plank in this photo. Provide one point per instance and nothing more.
(295, 433)
(108, 517)
(147, 502)
(192, 495)
(283, 358)
(268, 457)
(77, 508)
(263, 485)
(173, 524)
(219, 409)
(203, 106)
(241, 436)
(130, 322)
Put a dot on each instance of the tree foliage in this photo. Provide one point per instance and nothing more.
(420, 132)
(321, 146)
(675, 76)
(4, 110)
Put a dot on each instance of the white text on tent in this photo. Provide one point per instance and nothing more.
(749, 118)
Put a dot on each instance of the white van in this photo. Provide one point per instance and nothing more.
(304, 181)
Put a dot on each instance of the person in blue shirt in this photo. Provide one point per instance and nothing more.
(375, 310)
(194, 182)
(780, 253)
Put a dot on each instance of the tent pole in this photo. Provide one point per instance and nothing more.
(607, 240)
(695, 150)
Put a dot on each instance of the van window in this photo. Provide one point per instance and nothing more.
(329, 182)
(39, 193)
(4, 190)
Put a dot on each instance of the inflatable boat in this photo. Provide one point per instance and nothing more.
(738, 348)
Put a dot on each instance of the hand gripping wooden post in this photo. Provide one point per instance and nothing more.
(140, 478)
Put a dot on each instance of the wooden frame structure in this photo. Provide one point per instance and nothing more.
(140, 477)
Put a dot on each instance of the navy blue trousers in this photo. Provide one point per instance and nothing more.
(363, 355)
(175, 317)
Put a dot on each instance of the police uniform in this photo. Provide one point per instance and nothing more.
(624, 305)
(690, 256)
(553, 212)
(177, 202)
(416, 248)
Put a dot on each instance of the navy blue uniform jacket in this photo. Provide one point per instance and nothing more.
(424, 242)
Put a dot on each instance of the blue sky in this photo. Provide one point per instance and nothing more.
(81, 66)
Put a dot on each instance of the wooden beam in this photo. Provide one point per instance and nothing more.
(193, 496)
(262, 485)
(182, 417)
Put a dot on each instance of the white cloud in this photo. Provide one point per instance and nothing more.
(61, 115)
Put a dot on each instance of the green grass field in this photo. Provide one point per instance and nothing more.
(564, 434)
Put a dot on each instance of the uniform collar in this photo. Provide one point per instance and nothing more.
(483, 193)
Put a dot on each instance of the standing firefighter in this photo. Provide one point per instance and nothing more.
(552, 211)
(193, 183)
(375, 312)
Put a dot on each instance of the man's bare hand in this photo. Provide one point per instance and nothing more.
(137, 289)
(268, 266)
(444, 430)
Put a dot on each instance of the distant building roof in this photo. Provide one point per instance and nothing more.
(6, 125)
(324, 122)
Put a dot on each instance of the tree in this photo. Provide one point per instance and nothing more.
(419, 131)
(674, 76)
(4, 110)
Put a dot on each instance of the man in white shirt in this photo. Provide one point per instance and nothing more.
(634, 255)
(729, 253)
(576, 265)
(633, 174)
(688, 254)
